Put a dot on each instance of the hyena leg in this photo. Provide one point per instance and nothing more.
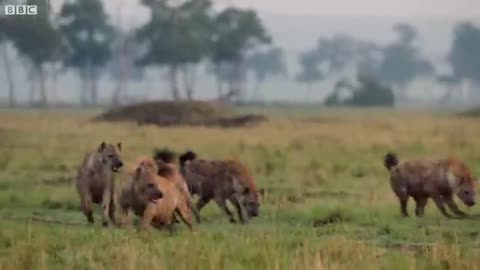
(106, 204)
(420, 207)
(185, 215)
(240, 211)
(453, 206)
(86, 203)
(171, 228)
(403, 205)
(111, 211)
(201, 203)
(174, 218)
(223, 205)
(439, 202)
(403, 197)
(125, 216)
(147, 217)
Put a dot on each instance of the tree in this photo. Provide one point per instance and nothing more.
(236, 31)
(396, 64)
(332, 55)
(452, 84)
(266, 63)
(36, 39)
(178, 37)
(89, 35)
(464, 56)
(336, 52)
(402, 61)
(197, 30)
(310, 71)
(342, 50)
(123, 68)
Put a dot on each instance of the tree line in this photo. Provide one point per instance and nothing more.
(179, 38)
(391, 67)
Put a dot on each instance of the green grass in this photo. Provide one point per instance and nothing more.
(312, 165)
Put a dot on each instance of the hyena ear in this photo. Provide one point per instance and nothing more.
(119, 146)
(261, 191)
(102, 146)
(136, 174)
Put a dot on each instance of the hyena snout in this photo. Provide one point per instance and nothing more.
(154, 193)
(254, 213)
(470, 202)
(467, 197)
(116, 165)
(252, 209)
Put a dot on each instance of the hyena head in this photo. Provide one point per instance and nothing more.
(251, 201)
(464, 181)
(111, 155)
(466, 190)
(144, 185)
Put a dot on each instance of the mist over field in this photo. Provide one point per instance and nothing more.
(295, 28)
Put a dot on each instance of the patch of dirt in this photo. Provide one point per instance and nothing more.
(62, 180)
(295, 199)
(247, 120)
(331, 194)
(333, 217)
(321, 120)
(407, 246)
(172, 113)
(38, 219)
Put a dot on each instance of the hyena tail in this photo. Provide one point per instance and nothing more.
(187, 156)
(390, 160)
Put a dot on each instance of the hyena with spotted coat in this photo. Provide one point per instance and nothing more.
(438, 179)
(154, 198)
(95, 181)
(222, 181)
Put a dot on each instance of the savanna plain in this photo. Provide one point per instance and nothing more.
(318, 167)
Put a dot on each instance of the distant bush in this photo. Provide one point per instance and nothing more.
(368, 93)
(473, 112)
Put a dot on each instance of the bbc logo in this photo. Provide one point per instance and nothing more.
(20, 10)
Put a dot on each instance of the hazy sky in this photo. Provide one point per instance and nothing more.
(451, 9)
(464, 9)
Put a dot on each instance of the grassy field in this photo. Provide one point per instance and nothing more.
(312, 165)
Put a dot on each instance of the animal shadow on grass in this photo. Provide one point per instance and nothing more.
(331, 218)
(474, 217)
